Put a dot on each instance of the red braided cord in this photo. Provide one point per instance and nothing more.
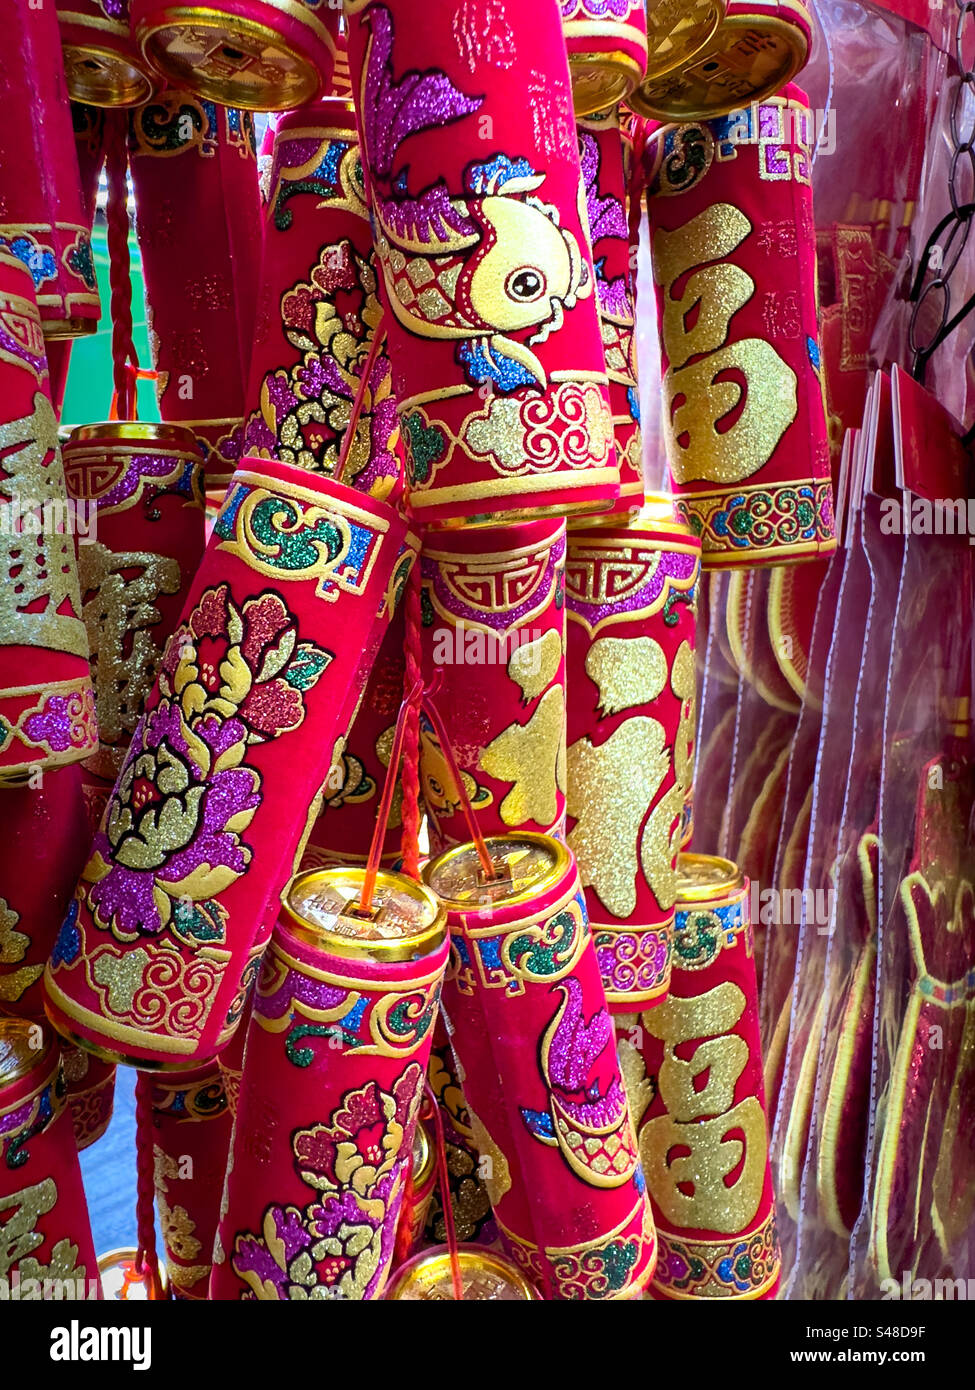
(147, 1260)
(409, 843)
(117, 214)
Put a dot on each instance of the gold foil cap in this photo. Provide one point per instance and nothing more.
(231, 60)
(176, 437)
(23, 1046)
(704, 876)
(104, 77)
(677, 30)
(485, 1277)
(601, 79)
(405, 921)
(750, 58)
(423, 1155)
(526, 863)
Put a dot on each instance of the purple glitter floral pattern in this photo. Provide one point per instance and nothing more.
(172, 838)
(341, 1244)
(636, 963)
(64, 722)
(304, 408)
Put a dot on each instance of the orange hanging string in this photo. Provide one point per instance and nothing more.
(433, 714)
(410, 840)
(117, 214)
(378, 338)
(443, 1183)
(382, 815)
(147, 1259)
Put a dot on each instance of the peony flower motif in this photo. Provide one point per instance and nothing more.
(173, 832)
(362, 1142)
(341, 1245)
(304, 410)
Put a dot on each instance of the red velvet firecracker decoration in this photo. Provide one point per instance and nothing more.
(535, 1052)
(337, 1051)
(694, 1070)
(257, 684)
(319, 311)
(473, 170)
(194, 172)
(732, 235)
(493, 612)
(43, 1212)
(631, 593)
(42, 217)
(190, 1131)
(47, 712)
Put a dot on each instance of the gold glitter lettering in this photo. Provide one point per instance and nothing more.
(628, 671)
(610, 788)
(18, 1236)
(746, 380)
(704, 1138)
(684, 685)
(40, 603)
(13, 948)
(119, 614)
(528, 756)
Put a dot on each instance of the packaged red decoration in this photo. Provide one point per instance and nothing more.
(45, 1219)
(494, 636)
(703, 1129)
(536, 1056)
(191, 1128)
(47, 710)
(607, 45)
(319, 311)
(42, 218)
(198, 217)
(337, 1052)
(261, 55)
(732, 240)
(102, 62)
(491, 313)
(758, 47)
(257, 684)
(631, 597)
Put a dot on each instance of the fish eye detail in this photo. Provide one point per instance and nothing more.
(526, 285)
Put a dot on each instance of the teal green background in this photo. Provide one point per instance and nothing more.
(88, 397)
